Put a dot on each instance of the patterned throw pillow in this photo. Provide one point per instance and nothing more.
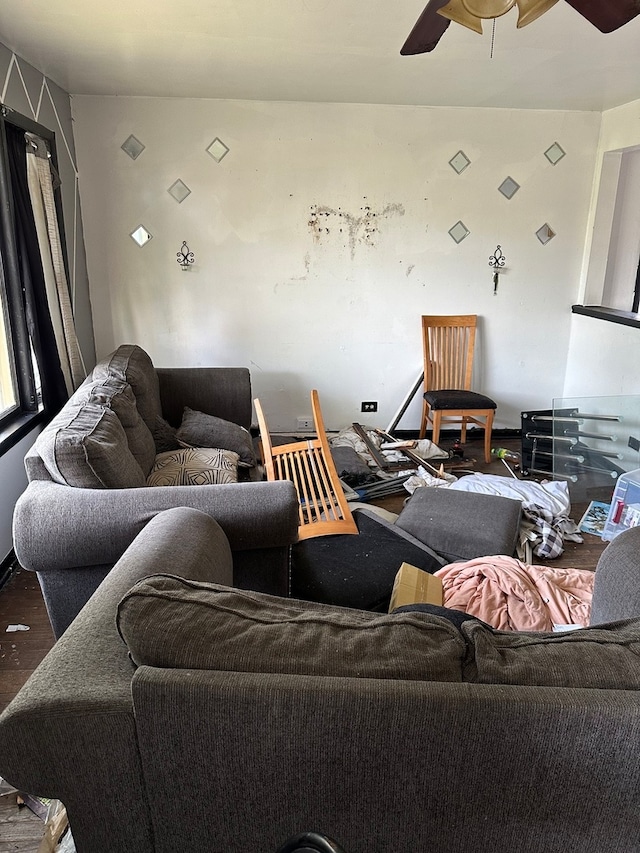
(194, 466)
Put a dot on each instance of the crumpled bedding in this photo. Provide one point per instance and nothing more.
(513, 596)
(545, 525)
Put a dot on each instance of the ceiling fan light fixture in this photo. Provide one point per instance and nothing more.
(456, 11)
(530, 10)
(488, 8)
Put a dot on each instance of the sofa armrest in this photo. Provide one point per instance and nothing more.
(62, 733)
(221, 391)
(616, 586)
(58, 527)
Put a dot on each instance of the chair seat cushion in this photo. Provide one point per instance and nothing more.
(454, 399)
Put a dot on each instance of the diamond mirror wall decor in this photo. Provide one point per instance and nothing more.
(133, 147)
(459, 162)
(459, 231)
(554, 153)
(141, 236)
(218, 150)
(509, 187)
(545, 233)
(179, 190)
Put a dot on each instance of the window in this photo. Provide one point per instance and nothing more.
(8, 384)
(25, 325)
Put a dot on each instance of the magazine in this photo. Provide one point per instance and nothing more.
(595, 518)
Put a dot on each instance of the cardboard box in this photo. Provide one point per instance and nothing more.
(413, 586)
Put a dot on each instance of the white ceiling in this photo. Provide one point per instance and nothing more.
(320, 50)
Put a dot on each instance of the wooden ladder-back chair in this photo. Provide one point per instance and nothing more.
(309, 465)
(448, 344)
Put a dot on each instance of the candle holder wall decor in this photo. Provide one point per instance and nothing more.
(497, 261)
(185, 257)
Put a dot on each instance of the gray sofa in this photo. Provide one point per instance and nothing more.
(87, 496)
(247, 718)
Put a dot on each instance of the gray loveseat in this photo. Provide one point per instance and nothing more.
(87, 496)
(246, 718)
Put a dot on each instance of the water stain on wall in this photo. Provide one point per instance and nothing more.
(353, 229)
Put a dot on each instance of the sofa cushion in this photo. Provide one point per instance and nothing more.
(606, 657)
(194, 466)
(168, 621)
(86, 447)
(119, 397)
(201, 430)
(132, 365)
(462, 525)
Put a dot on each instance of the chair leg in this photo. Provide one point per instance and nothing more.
(423, 420)
(488, 426)
(463, 430)
(436, 416)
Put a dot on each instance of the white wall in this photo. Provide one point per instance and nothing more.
(603, 357)
(277, 286)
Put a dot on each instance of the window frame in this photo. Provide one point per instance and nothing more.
(29, 411)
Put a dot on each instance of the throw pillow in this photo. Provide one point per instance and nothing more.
(168, 621)
(201, 430)
(194, 466)
(606, 657)
(86, 447)
(164, 436)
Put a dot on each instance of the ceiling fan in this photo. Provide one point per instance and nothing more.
(606, 15)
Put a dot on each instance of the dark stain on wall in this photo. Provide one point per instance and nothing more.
(361, 228)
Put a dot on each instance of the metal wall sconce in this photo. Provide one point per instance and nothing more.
(497, 261)
(185, 257)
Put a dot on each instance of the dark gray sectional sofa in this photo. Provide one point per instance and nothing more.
(87, 496)
(179, 714)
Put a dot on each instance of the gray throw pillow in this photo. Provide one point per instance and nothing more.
(164, 436)
(605, 657)
(168, 621)
(201, 430)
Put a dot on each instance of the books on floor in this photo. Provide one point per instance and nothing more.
(595, 518)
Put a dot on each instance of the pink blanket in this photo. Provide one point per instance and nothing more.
(513, 596)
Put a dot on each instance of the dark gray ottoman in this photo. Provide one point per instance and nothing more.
(462, 525)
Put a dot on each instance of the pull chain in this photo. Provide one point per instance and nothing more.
(493, 37)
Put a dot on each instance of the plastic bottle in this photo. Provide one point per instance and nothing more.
(503, 453)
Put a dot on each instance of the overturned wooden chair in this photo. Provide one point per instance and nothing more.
(309, 465)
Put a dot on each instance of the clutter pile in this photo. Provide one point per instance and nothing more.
(372, 464)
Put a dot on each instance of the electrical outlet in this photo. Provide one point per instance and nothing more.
(370, 406)
(305, 422)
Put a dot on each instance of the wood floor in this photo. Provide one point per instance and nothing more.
(20, 651)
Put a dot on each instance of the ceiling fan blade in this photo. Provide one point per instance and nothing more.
(428, 30)
(607, 15)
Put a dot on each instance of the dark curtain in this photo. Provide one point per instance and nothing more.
(34, 295)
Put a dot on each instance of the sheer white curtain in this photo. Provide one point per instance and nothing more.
(40, 180)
